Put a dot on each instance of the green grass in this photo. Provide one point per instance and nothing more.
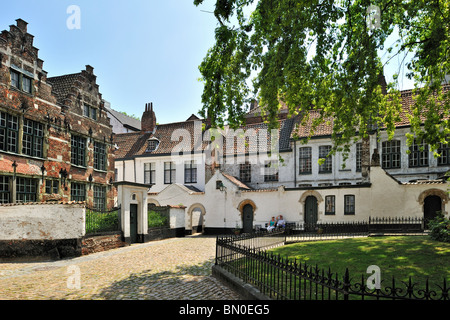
(417, 256)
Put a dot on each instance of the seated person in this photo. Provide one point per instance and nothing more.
(272, 224)
(281, 223)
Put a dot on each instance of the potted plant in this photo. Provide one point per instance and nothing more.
(237, 229)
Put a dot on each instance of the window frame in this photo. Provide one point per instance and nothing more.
(271, 173)
(327, 166)
(51, 186)
(388, 156)
(418, 158)
(332, 205)
(171, 170)
(32, 138)
(150, 173)
(100, 156)
(305, 160)
(444, 151)
(245, 172)
(99, 197)
(78, 153)
(5, 189)
(349, 206)
(191, 168)
(9, 131)
(78, 187)
(26, 188)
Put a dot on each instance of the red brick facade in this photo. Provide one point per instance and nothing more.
(55, 136)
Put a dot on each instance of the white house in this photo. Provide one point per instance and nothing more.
(244, 177)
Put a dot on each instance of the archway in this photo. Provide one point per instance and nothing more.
(431, 206)
(196, 219)
(247, 210)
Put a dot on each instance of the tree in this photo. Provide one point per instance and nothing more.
(341, 77)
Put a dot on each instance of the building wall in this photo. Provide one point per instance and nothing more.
(59, 118)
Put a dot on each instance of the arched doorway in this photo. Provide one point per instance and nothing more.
(196, 222)
(431, 205)
(247, 218)
(311, 211)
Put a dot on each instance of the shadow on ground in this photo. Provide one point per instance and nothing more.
(188, 282)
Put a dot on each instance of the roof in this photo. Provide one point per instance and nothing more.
(62, 85)
(236, 181)
(124, 119)
(325, 128)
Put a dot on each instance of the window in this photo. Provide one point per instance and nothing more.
(78, 192)
(245, 172)
(100, 197)
(51, 186)
(4, 190)
(78, 152)
(327, 166)
(390, 157)
(89, 112)
(330, 205)
(26, 84)
(152, 145)
(20, 81)
(305, 160)
(86, 110)
(9, 132)
(444, 151)
(169, 172)
(33, 138)
(149, 173)
(349, 204)
(15, 79)
(190, 172)
(26, 190)
(418, 156)
(99, 156)
(358, 157)
(271, 171)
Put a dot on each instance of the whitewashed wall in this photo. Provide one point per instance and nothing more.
(42, 222)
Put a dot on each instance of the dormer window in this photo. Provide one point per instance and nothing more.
(152, 144)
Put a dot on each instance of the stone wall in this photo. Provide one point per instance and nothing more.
(101, 243)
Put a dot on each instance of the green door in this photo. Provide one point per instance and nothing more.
(310, 211)
(247, 218)
(133, 223)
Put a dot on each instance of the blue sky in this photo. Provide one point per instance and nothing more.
(141, 50)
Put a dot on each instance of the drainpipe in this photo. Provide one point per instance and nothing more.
(295, 163)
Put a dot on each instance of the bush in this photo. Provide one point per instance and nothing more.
(155, 219)
(440, 228)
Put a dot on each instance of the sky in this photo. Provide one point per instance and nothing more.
(142, 50)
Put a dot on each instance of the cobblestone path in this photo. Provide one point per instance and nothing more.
(171, 269)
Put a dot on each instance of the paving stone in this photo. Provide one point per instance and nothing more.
(171, 269)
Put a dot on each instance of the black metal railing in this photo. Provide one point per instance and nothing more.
(100, 221)
(281, 278)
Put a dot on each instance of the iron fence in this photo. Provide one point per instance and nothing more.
(100, 221)
(280, 278)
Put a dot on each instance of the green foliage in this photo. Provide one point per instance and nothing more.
(155, 219)
(100, 222)
(440, 228)
(323, 55)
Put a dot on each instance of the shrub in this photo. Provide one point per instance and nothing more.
(440, 228)
(155, 219)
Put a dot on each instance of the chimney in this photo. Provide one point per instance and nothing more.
(22, 25)
(148, 120)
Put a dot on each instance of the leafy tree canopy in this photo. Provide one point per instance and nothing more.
(264, 50)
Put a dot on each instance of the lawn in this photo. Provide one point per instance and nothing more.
(417, 256)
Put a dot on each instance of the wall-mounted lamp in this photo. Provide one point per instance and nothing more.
(63, 174)
(220, 186)
(90, 181)
(43, 170)
(14, 165)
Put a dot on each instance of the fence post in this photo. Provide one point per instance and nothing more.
(346, 284)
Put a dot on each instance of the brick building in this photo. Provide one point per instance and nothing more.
(55, 136)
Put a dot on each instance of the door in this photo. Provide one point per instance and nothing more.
(247, 218)
(133, 222)
(431, 206)
(310, 212)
